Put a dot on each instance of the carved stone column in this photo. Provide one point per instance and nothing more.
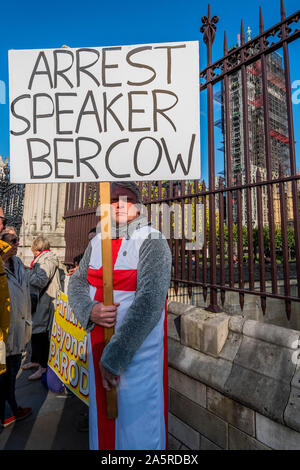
(43, 215)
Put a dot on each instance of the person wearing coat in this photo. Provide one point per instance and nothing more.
(19, 329)
(4, 292)
(4, 298)
(44, 283)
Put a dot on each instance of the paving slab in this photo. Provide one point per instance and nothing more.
(53, 423)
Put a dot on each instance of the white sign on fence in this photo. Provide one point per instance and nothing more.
(105, 114)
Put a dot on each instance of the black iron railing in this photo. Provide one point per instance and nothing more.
(250, 217)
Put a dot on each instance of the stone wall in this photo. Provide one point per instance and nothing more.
(275, 308)
(234, 383)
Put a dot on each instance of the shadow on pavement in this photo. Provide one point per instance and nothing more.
(53, 423)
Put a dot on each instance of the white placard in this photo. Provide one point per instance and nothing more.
(105, 113)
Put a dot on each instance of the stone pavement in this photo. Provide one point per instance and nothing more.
(53, 423)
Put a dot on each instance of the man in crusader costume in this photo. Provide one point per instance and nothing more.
(135, 359)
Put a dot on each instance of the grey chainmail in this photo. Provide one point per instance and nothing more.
(153, 281)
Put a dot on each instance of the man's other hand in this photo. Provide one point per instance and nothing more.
(108, 379)
(104, 315)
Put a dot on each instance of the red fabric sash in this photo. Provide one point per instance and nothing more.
(122, 280)
(165, 373)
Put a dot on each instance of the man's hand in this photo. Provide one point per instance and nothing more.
(104, 315)
(6, 256)
(108, 379)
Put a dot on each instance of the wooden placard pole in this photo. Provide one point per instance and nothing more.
(108, 298)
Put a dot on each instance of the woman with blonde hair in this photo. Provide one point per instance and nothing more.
(44, 283)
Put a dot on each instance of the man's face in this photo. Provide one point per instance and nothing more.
(123, 205)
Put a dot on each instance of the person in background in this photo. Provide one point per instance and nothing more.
(10, 229)
(44, 283)
(92, 233)
(19, 330)
(2, 220)
(4, 301)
